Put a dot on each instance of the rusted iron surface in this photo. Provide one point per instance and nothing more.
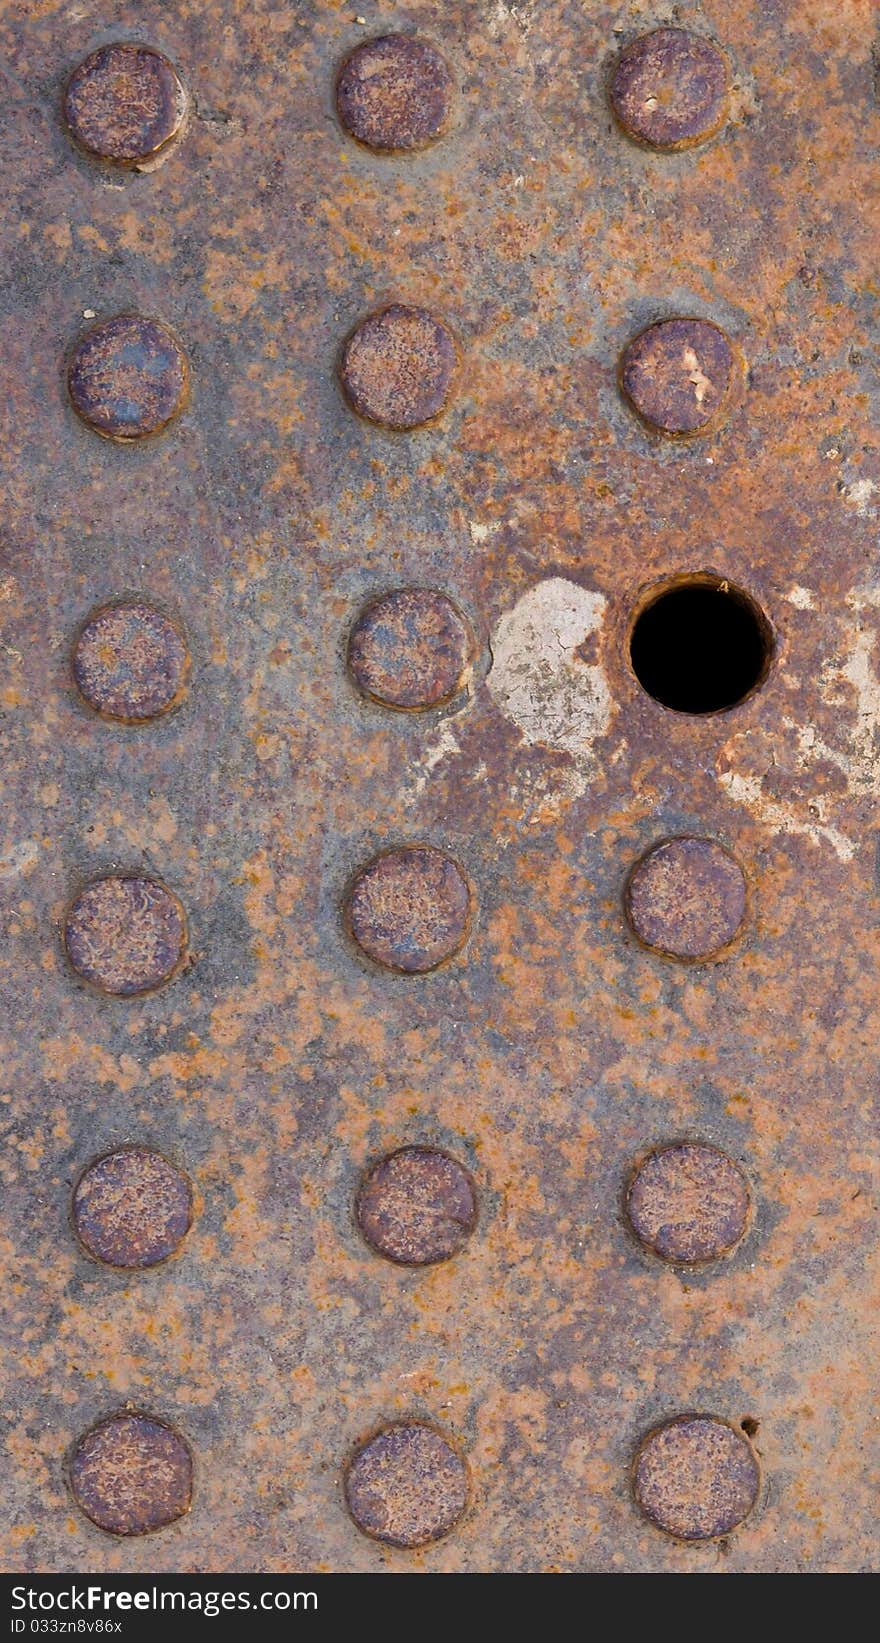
(554, 1049)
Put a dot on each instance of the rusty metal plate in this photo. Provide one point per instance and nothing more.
(292, 883)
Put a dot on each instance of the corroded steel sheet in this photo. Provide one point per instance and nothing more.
(313, 1386)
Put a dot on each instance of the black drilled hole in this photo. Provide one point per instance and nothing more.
(701, 646)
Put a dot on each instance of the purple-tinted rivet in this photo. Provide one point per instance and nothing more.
(124, 103)
(395, 93)
(686, 898)
(128, 377)
(696, 1477)
(130, 662)
(132, 1474)
(677, 375)
(132, 1208)
(125, 935)
(669, 89)
(407, 1485)
(688, 1203)
(409, 909)
(416, 1206)
(410, 649)
(397, 367)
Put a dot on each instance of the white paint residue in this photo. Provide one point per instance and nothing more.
(505, 13)
(445, 744)
(541, 795)
(749, 790)
(859, 759)
(859, 494)
(696, 376)
(802, 598)
(538, 680)
(855, 751)
(480, 533)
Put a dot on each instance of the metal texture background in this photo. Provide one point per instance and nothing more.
(554, 1049)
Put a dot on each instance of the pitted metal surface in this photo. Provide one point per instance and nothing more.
(552, 1049)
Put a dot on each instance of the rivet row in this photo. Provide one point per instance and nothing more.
(128, 377)
(410, 910)
(696, 1476)
(687, 1203)
(396, 94)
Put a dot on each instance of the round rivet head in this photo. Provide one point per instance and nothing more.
(394, 93)
(132, 1208)
(686, 898)
(688, 1203)
(124, 103)
(132, 1474)
(696, 1477)
(677, 375)
(669, 89)
(406, 1486)
(416, 1206)
(410, 649)
(130, 662)
(125, 935)
(128, 377)
(409, 908)
(397, 367)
